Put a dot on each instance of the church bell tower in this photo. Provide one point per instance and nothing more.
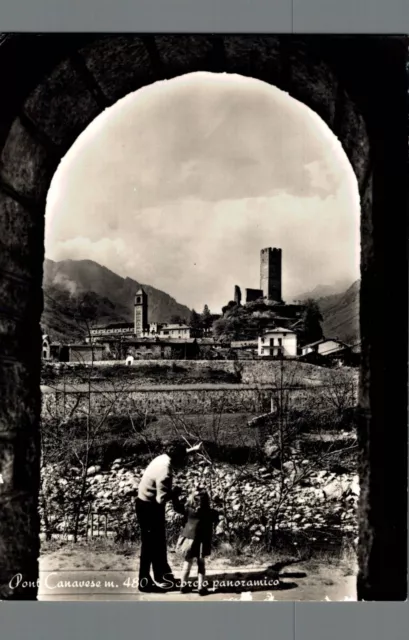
(140, 312)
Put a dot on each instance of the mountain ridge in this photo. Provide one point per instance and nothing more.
(324, 290)
(64, 280)
(340, 314)
(74, 277)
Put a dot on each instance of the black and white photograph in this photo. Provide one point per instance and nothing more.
(200, 348)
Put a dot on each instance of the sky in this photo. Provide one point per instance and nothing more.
(182, 183)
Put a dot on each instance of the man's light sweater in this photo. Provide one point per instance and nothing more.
(156, 482)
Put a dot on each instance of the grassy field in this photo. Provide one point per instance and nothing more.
(227, 429)
(142, 425)
(123, 437)
(227, 436)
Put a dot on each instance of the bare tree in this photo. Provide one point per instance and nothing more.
(74, 419)
(340, 391)
(294, 407)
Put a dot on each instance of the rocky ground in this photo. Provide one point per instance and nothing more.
(312, 504)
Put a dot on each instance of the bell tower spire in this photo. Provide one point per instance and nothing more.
(140, 312)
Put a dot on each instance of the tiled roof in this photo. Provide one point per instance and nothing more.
(174, 327)
(323, 341)
(116, 325)
(84, 346)
(313, 344)
(279, 330)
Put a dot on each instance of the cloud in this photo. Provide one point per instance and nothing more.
(104, 251)
(197, 251)
(209, 136)
(180, 185)
(65, 282)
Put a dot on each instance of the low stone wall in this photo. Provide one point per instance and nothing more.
(251, 371)
(213, 399)
(189, 402)
(246, 372)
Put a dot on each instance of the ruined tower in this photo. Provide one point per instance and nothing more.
(140, 312)
(237, 295)
(270, 273)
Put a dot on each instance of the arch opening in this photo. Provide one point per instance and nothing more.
(189, 165)
(181, 185)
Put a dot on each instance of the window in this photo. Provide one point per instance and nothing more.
(280, 342)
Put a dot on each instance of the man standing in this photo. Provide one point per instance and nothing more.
(155, 490)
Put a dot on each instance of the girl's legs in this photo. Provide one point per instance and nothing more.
(201, 573)
(187, 565)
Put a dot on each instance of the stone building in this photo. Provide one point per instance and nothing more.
(181, 331)
(243, 349)
(46, 348)
(112, 329)
(140, 312)
(325, 346)
(81, 353)
(237, 295)
(170, 349)
(270, 273)
(253, 294)
(278, 343)
(270, 277)
(139, 327)
(331, 351)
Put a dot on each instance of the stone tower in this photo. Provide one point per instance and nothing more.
(140, 312)
(237, 295)
(270, 273)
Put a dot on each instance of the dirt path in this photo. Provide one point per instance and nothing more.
(61, 581)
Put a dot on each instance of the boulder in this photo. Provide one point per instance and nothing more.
(93, 470)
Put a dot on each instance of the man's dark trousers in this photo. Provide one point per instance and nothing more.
(151, 518)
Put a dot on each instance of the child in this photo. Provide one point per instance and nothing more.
(196, 537)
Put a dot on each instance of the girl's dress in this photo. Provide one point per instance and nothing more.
(196, 537)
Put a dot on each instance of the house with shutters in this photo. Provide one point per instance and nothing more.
(279, 342)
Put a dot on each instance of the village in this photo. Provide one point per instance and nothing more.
(270, 397)
(263, 326)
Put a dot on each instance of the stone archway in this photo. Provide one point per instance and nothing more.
(55, 86)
